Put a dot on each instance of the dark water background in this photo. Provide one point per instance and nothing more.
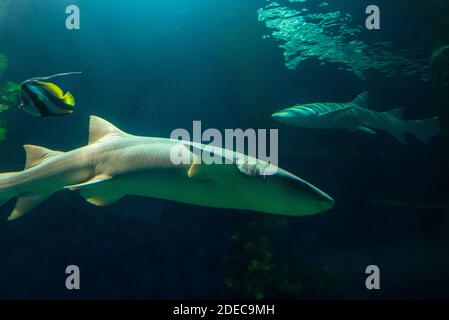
(152, 66)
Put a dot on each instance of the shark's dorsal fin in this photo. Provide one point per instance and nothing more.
(100, 129)
(361, 100)
(36, 155)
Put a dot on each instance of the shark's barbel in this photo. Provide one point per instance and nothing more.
(356, 115)
(115, 164)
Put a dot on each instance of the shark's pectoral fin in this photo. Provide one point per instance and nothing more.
(201, 173)
(28, 202)
(95, 180)
(208, 162)
(366, 129)
(193, 170)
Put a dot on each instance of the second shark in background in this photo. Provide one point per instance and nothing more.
(356, 115)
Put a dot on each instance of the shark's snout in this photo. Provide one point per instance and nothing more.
(302, 197)
(294, 115)
(327, 203)
(323, 202)
(280, 115)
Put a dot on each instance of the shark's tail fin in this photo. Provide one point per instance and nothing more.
(425, 129)
(5, 191)
(398, 133)
(28, 198)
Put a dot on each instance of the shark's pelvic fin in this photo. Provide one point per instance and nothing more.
(367, 130)
(97, 191)
(95, 180)
(36, 155)
(361, 100)
(100, 129)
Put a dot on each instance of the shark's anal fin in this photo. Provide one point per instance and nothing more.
(28, 202)
(36, 155)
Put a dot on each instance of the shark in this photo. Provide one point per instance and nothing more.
(356, 115)
(114, 164)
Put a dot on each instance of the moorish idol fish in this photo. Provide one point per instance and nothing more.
(45, 99)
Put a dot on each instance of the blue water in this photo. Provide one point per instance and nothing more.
(152, 66)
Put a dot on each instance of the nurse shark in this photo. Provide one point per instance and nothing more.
(356, 115)
(115, 164)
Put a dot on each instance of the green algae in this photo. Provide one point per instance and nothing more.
(253, 270)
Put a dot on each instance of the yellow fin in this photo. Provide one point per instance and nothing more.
(57, 91)
(36, 155)
(103, 200)
(195, 166)
(69, 99)
(193, 170)
(96, 192)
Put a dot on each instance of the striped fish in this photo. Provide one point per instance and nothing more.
(45, 99)
(356, 115)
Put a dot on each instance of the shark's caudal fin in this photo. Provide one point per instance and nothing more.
(425, 129)
(27, 199)
(5, 193)
(398, 133)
